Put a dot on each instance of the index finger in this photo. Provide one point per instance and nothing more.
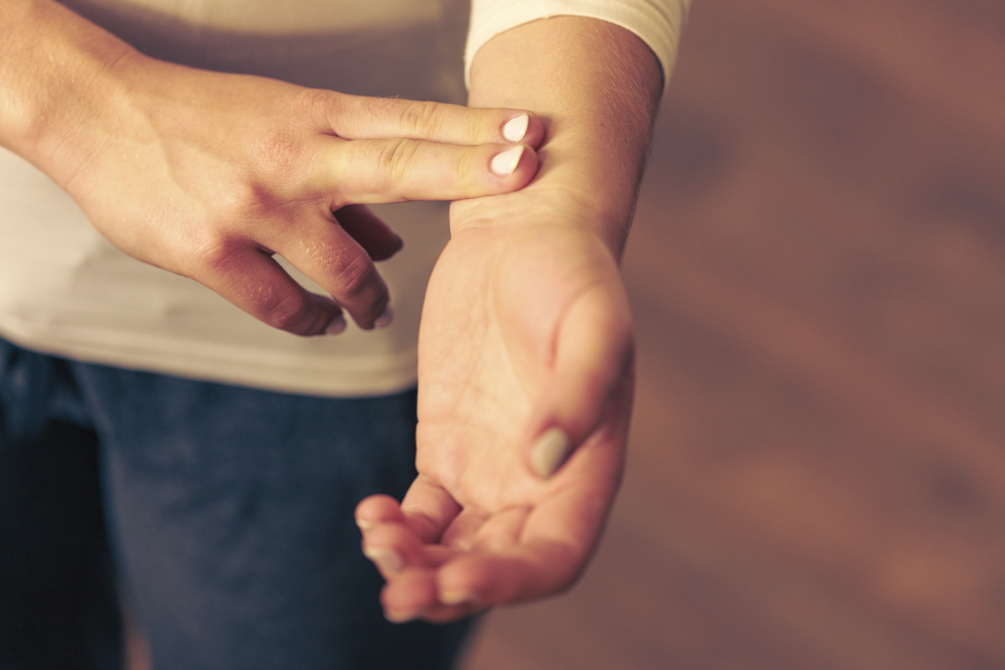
(357, 117)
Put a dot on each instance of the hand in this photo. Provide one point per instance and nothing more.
(526, 339)
(208, 175)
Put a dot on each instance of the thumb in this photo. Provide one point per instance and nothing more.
(594, 355)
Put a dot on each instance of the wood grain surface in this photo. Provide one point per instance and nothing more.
(817, 466)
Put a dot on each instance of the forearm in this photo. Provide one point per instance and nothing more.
(597, 87)
(56, 77)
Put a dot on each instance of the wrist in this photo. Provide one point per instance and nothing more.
(546, 209)
(596, 87)
(61, 84)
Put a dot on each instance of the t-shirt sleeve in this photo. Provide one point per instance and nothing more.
(657, 22)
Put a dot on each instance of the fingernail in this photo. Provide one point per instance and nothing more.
(457, 597)
(336, 326)
(401, 617)
(516, 128)
(505, 163)
(387, 560)
(385, 318)
(549, 452)
(364, 524)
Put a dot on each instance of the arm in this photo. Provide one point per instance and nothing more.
(597, 87)
(208, 174)
(526, 347)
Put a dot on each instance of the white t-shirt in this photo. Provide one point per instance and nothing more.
(65, 290)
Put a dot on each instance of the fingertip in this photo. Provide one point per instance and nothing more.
(515, 129)
(535, 131)
(466, 582)
(373, 312)
(550, 451)
(385, 319)
(387, 560)
(460, 596)
(409, 595)
(337, 325)
(319, 315)
(504, 163)
(513, 167)
(523, 128)
(377, 509)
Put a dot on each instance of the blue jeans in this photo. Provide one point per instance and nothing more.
(224, 515)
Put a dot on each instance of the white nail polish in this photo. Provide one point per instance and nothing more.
(385, 318)
(336, 326)
(515, 129)
(549, 452)
(505, 163)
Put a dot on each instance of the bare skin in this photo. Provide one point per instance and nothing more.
(526, 328)
(208, 174)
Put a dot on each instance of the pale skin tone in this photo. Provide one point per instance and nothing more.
(526, 328)
(208, 174)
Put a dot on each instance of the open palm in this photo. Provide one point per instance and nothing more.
(525, 332)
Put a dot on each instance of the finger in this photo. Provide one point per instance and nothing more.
(594, 353)
(252, 280)
(441, 613)
(463, 531)
(391, 541)
(484, 580)
(377, 509)
(375, 236)
(397, 170)
(357, 117)
(393, 547)
(330, 256)
(409, 595)
(429, 508)
(490, 533)
(513, 562)
(414, 594)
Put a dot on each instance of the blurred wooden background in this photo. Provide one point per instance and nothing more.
(817, 469)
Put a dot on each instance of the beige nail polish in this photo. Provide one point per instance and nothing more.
(504, 164)
(387, 560)
(549, 452)
(457, 597)
(516, 128)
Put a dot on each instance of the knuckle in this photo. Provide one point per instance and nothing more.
(215, 253)
(278, 153)
(468, 163)
(422, 118)
(320, 105)
(285, 312)
(395, 159)
(355, 275)
(222, 261)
